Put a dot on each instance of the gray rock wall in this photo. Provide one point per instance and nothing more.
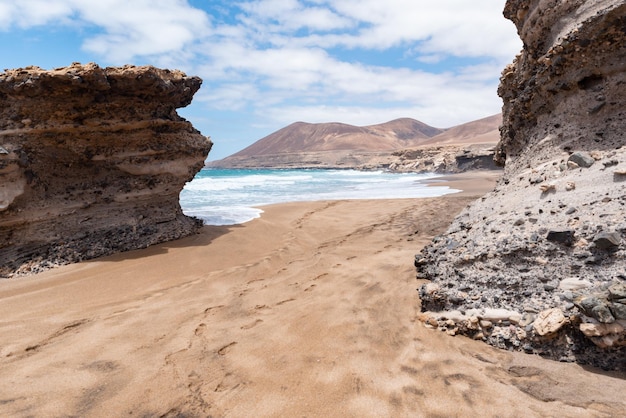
(539, 264)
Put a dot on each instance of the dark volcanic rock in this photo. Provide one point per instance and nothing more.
(607, 240)
(93, 162)
(564, 108)
(562, 237)
(582, 159)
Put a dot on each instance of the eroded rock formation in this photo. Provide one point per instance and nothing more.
(539, 264)
(444, 159)
(92, 161)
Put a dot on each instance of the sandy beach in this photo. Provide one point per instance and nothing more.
(309, 311)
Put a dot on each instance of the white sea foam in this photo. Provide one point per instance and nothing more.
(227, 197)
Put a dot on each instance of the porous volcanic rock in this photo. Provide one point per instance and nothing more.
(92, 161)
(539, 264)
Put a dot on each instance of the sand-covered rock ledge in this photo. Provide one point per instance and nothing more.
(92, 161)
(539, 264)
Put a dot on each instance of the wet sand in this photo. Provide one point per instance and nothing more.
(309, 311)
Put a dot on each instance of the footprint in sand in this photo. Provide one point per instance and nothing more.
(253, 324)
(71, 327)
(409, 370)
(285, 301)
(357, 385)
(225, 349)
(228, 383)
(200, 329)
(461, 382)
(212, 308)
(412, 390)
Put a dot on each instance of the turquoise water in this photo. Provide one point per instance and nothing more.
(228, 197)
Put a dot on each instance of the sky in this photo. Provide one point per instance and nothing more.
(268, 63)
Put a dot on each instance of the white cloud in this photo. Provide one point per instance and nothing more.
(291, 15)
(127, 28)
(357, 61)
(28, 13)
(457, 27)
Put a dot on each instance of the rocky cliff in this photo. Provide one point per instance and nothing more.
(92, 161)
(539, 264)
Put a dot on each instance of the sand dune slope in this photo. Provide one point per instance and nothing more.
(309, 311)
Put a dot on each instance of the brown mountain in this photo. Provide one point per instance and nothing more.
(485, 130)
(328, 145)
(311, 137)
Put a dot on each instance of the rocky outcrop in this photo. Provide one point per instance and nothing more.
(539, 264)
(92, 161)
(445, 159)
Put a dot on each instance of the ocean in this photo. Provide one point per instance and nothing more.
(229, 196)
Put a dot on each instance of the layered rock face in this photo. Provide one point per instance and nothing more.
(444, 159)
(539, 264)
(92, 161)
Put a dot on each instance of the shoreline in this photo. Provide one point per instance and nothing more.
(470, 183)
(475, 182)
(311, 309)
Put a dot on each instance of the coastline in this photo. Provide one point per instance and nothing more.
(470, 183)
(309, 310)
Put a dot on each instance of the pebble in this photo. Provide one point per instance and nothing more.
(617, 291)
(602, 313)
(618, 310)
(587, 302)
(582, 159)
(485, 324)
(607, 240)
(549, 321)
(527, 319)
(573, 283)
(565, 237)
(599, 330)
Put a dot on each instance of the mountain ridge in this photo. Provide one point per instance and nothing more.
(331, 136)
(340, 145)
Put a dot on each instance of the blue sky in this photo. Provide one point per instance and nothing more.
(269, 63)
